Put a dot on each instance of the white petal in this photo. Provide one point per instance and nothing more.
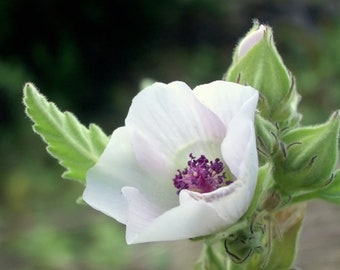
(239, 147)
(164, 120)
(104, 195)
(226, 99)
(239, 152)
(190, 219)
(117, 167)
(250, 41)
(229, 202)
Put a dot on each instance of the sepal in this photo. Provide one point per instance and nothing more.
(331, 192)
(266, 138)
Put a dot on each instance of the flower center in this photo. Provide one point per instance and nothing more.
(201, 175)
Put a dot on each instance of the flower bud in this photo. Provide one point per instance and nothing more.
(256, 62)
(308, 156)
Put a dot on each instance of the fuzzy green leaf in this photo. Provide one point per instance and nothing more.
(76, 147)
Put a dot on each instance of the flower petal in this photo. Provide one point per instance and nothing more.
(239, 146)
(117, 167)
(164, 119)
(230, 202)
(226, 99)
(250, 41)
(146, 224)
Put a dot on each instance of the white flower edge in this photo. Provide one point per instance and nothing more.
(117, 193)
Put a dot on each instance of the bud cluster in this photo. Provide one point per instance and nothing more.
(298, 163)
(303, 158)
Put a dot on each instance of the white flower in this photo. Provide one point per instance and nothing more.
(170, 127)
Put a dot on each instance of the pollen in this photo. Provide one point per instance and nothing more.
(201, 175)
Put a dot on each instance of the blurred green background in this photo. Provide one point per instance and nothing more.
(90, 59)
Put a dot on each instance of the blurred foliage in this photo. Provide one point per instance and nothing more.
(90, 59)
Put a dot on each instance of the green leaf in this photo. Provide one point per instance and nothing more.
(76, 147)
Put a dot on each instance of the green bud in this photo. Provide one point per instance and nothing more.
(241, 245)
(308, 156)
(256, 62)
